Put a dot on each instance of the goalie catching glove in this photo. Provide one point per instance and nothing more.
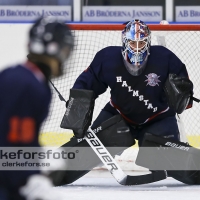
(78, 115)
(178, 91)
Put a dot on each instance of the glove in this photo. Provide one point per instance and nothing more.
(40, 187)
(178, 92)
(78, 115)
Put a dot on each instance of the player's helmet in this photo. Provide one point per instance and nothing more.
(52, 37)
(136, 39)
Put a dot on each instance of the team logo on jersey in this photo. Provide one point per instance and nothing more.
(136, 93)
(152, 79)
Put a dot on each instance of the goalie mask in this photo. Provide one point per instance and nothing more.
(136, 39)
(51, 37)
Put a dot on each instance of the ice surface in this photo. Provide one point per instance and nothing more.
(101, 185)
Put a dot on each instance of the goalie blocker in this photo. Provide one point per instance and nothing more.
(78, 115)
(181, 160)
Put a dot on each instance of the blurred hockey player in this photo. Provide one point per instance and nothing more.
(149, 85)
(24, 102)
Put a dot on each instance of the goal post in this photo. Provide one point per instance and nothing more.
(183, 40)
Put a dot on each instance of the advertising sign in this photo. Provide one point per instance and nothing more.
(122, 13)
(187, 13)
(30, 13)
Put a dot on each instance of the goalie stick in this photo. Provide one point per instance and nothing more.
(110, 162)
(115, 169)
(59, 95)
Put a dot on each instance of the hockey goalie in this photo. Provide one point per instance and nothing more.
(149, 86)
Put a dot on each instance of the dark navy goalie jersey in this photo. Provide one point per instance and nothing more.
(138, 99)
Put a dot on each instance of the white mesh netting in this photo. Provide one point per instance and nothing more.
(185, 44)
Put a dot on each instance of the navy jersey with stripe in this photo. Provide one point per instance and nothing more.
(24, 103)
(138, 98)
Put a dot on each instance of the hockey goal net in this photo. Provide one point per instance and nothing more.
(183, 40)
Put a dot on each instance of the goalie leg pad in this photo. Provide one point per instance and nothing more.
(181, 160)
(109, 135)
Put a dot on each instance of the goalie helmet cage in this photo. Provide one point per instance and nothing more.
(183, 40)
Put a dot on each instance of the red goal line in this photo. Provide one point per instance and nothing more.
(154, 27)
